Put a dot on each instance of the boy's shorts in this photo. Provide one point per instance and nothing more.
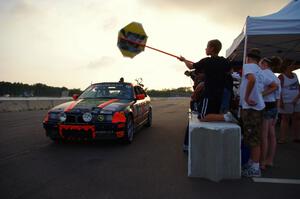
(290, 108)
(207, 106)
(252, 124)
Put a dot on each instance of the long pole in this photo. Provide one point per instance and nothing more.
(246, 42)
(161, 51)
(245, 49)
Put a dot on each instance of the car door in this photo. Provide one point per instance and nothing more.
(145, 105)
(138, 114)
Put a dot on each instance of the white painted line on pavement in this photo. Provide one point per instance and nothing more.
(277, 180)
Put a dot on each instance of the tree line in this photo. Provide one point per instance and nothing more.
(17, 89)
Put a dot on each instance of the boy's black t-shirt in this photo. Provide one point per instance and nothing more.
(215, 70)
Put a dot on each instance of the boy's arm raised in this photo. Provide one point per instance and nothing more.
(188, 64)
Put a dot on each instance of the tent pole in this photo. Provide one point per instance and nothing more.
(246, 41)
(245, 49)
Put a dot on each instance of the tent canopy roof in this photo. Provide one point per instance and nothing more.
(277, 34)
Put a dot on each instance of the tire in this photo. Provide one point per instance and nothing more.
(52, 137)
(149, 118)
(57, 141)
(129, 131)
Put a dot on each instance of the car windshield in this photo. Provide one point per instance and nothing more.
(108, 90)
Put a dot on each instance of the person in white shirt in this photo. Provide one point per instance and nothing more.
(290, 103)
(268, 142)
(251, 99)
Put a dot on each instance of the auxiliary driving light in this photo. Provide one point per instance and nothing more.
(87, 117)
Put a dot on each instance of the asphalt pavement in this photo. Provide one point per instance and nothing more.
(153, 166)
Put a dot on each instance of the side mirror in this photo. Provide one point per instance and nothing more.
(75, 96)
(140, 97)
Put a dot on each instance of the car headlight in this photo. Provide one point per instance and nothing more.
(62, 117)
(87, 117)
(52, 116)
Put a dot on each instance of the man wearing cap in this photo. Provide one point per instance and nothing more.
(252, 89)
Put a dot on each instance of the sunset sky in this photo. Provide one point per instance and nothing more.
(72, 43)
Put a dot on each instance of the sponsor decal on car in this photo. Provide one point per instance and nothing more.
(72, 105)
(108, 103)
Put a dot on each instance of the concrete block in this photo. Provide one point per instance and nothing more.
(214, 150)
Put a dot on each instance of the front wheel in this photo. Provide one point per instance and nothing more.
(149, 119)
(129, 131)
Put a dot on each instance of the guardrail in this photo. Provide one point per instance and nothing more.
(34, 98)
(10, 104)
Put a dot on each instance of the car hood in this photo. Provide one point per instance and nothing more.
(84, 105)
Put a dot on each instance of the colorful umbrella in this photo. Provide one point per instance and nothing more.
(132, 40)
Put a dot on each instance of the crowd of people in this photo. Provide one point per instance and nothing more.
(261, 97)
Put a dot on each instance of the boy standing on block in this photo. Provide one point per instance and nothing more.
(214, 69)
(252, 102)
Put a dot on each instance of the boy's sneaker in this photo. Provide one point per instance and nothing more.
(230, 118)
(251, 172)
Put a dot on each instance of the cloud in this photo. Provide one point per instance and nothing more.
(21, 8)
(227, 12)
(103, 62)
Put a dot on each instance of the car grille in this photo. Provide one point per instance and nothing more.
(72, 119)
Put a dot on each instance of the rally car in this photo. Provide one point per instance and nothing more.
(109, 110)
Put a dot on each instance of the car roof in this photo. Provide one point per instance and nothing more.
(126, 83)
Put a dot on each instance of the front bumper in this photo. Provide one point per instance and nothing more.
(85, 131)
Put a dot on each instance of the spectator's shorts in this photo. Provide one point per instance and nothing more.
(290, 108)
(270, 113)
(207, 106)
(252, 123)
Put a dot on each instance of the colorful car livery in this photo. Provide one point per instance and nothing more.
(107, 110)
